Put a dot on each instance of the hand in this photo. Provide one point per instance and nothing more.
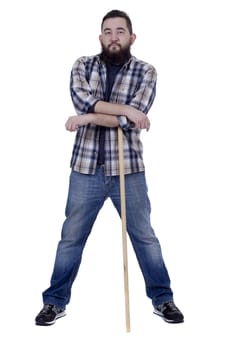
(73, 123)
(140, 119)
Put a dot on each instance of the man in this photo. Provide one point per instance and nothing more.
(110, 90)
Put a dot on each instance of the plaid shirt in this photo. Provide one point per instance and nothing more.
(135, 85)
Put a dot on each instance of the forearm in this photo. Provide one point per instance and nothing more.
(111, 108)
(138, 118)
(75, 122)
(106, 120)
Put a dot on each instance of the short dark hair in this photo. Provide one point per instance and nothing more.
(117, 13)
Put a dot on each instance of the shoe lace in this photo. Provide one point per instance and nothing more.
(47, 308)
(171, 306)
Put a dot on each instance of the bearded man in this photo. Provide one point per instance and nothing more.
(109, 90)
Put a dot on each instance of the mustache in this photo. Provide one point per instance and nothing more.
(114, 43)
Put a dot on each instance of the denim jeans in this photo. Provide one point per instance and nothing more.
(86, 196)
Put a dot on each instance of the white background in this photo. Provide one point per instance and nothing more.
(188, 156)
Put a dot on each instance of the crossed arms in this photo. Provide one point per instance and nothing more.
(105, 114)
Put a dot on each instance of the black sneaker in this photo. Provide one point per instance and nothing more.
(49, 314)
(169, 312)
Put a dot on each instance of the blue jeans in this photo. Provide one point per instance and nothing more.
(87, 194)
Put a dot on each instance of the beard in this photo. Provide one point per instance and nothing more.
(115, 58)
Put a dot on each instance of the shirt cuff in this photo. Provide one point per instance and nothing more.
(125, 123)
(91, 109)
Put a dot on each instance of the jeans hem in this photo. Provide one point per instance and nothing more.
(162, 301)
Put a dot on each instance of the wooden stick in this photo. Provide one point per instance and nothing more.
(123, 222)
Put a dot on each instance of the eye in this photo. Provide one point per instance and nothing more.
(107, 32)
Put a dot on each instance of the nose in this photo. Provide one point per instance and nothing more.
(114, 37)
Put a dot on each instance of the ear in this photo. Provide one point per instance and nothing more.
(100, 38)
(132, 38)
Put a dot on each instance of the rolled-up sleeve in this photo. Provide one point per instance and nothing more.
(145, 94)
(124, 122)
(80, 91)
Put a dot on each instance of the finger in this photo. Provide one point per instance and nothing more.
(74, 127)
(69, 126)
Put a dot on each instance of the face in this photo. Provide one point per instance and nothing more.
(115, 36)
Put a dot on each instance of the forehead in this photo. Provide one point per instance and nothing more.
(113, 23)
